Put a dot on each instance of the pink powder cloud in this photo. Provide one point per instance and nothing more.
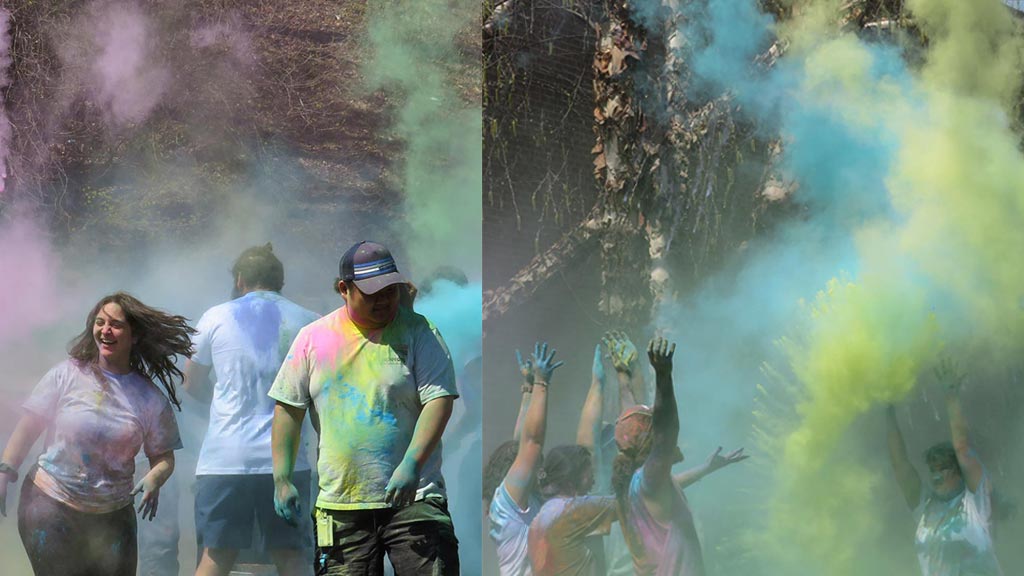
(29, 299)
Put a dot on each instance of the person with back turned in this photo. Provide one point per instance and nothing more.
(243, 342)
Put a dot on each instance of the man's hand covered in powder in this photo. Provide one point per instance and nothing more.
(543, 363)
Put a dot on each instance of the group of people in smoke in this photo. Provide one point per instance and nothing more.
(543, 517)
(553, 514)
(379, 385)
(375, 376)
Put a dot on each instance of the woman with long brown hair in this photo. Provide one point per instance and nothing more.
(99, 407)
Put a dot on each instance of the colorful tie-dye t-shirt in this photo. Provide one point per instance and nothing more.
(94, 430)
(245, 341)
(509, 529)
(368, 390)
(559, 541)
(659, 549)
(954, 537)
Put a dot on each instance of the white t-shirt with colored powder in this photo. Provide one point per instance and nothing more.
(96, 424)
(368, 390)
(954, 537)
(245, 341)
(509, 529)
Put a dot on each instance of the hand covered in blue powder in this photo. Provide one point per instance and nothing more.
(543, 363)
(150, 497)
(598, 368)
(286, 502)
(401, 488)
(525, 368)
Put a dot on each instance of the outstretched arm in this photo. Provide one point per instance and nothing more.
(714, 462)
(531, 445)
(949, 374)
(636, 386)
(906, 476)
(624, 357)
(665, 430)
(526, 369)
(588, 433)
(589, 430)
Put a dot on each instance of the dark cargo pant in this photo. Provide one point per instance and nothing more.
(418, 539)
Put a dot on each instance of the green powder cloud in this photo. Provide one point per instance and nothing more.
(415, 54)
(937, 272)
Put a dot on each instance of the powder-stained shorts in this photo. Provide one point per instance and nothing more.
(62, 540)
(228, 505)
(419, 539)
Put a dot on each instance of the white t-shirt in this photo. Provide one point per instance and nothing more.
(368, 389)
(954, 537)
(245, 341)
(96, 424)
(509, 529)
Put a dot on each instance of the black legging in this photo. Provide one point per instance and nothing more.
(62, 540)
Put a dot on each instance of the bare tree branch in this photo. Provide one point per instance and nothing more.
(573, 247)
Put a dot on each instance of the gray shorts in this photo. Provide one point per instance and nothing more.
(229, 505)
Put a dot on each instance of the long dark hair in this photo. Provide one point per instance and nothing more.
(158, 338)
(624, 466)
(561, 472)
(498, 466)
(626, 463)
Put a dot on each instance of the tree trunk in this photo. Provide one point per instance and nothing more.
(625, 157)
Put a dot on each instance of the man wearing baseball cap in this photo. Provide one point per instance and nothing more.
(381, 384)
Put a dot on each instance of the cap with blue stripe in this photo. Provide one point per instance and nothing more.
(370, 266)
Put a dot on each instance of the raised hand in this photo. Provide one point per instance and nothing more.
(598, 368)
(716, 461)
(660, 353)
(543, 363)
(621, 350)
(948, 373)
(525, 368)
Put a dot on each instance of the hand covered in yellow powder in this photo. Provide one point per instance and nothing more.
(621, 350)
